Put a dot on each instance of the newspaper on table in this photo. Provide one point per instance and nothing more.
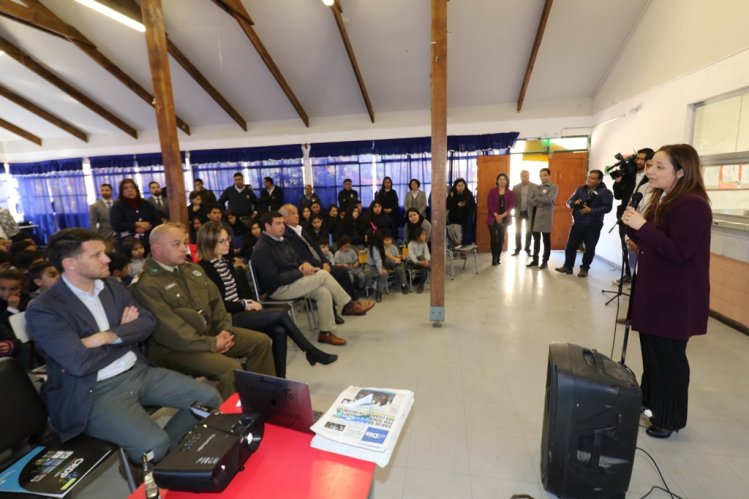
(364, 423)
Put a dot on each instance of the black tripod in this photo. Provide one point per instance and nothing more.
(625, 264)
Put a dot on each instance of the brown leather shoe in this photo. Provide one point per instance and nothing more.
(358, 307)
(330, 338)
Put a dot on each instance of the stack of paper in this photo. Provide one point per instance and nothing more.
(364, 423)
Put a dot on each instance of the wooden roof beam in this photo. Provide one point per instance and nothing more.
(237, 10)
(534, 52)
(20, 132)
(20, 56)
(39, 11)
(38, 19)
(336, 10)
(42, 113)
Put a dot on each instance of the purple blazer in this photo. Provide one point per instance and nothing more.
(492, 202)
(672, 290)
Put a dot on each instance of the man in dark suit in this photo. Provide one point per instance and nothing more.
(241, 199)
(98, 213)
(159, 201)
(310, 252)
(88, 327)
(348, 196)
(272, 196)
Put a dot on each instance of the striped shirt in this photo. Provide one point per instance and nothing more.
(230, 284)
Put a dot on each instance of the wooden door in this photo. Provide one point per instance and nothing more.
(568, 172)
(488, 167)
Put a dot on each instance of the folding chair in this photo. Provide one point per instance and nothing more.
(463, 253)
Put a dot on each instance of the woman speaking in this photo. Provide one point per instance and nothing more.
(670, 297)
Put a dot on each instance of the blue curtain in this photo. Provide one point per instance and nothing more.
(216, 176)
(328, 174)
(53, 194)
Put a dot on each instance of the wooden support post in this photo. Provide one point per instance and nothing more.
(158, 58)
(439, 159)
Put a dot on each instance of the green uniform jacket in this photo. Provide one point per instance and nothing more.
(187, 306)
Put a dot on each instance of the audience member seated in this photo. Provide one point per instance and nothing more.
(325, 248)
(196, 207)
(195, 225)
(250, 239)
(194, 333)
(283, 275)
(40, 277)
(317, 230)
(213, 245)
(208, 197)
(333, 223)
(351, 226)
(135, 251)
(374, 269)
(316, 209)
(19, 245)
(88, 328)
(347, 258)
(309, 251)
(419, 257)
(305, 218)
(26, 258)
(119, 267)
(378, 220)
(13, 298)
(131, 216)
(393, 262)
(414, 221)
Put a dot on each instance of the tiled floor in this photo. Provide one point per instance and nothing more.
(475, 429)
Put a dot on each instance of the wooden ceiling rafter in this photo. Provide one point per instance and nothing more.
(20, 132)
(534, 52)
(235, 9)
(42, 113)
(337, 12)
(36, 12)
(27, 61)
(132, 10)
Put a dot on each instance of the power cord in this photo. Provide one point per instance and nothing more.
(654, 487)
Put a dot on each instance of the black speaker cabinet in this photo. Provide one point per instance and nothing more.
(591, 417)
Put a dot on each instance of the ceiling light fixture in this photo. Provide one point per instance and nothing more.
(113, 14)
(329, 3)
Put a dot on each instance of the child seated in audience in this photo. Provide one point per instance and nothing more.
(419, 257)
(4, 245)
(347, 257)
(325, 248)
(317, 229)
(394, 263)
(250, 239)
(13, 299)
(136, 252)
(41, 276)
(119, 267)
(375, 269)
(26, 258)
(196, 208)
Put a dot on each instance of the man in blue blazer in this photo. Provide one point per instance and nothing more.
(89, 328)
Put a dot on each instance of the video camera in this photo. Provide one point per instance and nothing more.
(580, 204)
(624, 167)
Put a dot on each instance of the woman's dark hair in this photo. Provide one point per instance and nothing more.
(123, 183)
(374, 240)
(507, 179)
(418, 232)
(418, 184)
(457, 181)
(684, 158)
(382, 187)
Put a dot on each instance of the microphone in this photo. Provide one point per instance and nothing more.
(635, 201)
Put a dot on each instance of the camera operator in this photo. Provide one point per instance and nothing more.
(626, 179)
(589, 204)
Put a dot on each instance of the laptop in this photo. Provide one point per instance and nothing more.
(283, 402)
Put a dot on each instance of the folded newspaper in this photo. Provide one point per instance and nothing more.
(364, 423)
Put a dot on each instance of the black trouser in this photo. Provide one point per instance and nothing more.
(277, 324)
(587, 234)
(537, 245)
(341, 276)
(497, 238)
(519, 224)
(665, 380)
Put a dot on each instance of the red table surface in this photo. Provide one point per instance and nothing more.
(285, 466)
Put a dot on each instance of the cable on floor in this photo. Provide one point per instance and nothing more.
(654, 487)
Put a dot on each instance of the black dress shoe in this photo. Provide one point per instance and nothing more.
(534, 263)
(517, 252)
(658, 432)
(315, 356)
(543, 266)
(338, 319)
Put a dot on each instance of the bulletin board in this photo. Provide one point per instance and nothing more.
(726, 177)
